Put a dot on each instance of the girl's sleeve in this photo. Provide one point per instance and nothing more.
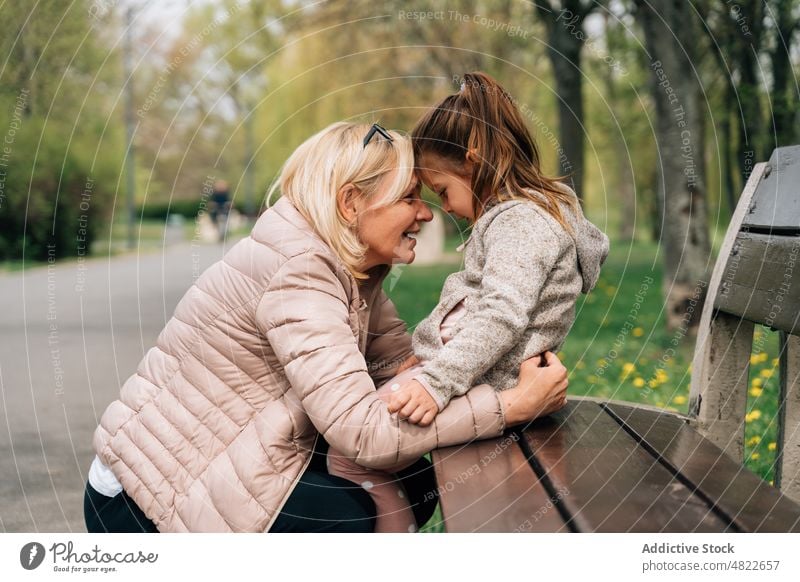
(521, 250)
(305, 316)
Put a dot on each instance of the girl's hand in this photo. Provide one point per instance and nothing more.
(413, 403)
(541, 390)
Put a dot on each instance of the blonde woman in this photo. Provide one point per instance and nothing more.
(276, 351)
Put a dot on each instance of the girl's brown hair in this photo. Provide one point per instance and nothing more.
(484, 118)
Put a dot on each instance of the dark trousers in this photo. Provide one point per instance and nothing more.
(118, 514)
(319, 503)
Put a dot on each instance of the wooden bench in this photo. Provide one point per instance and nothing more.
(604, 466)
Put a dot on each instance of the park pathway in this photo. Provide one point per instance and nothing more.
(70, 334)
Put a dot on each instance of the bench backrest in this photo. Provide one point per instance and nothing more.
(756, 280)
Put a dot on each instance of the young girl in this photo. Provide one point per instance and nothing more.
(530, 254)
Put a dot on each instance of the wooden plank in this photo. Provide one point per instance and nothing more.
(776, 203)
(609, 482)
(718, 398)
(705, 398)
(603, 401)
(759, 282)
(735, 492)
(488, 486)
(787, 465)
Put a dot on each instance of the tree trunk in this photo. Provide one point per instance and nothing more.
(623, 175)
(784, 99)
(751, 126)
(670, 37)
(565, 56)
(564, 51)
(565, 40)
(726, 155)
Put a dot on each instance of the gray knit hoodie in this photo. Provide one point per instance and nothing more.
(522, 275)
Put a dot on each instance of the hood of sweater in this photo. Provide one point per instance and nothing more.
(591, 243)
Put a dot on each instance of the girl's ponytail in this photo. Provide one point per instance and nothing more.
(483, 117)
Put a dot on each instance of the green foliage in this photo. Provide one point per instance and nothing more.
(188, 208)
(54, 203)
(59, 154)
(161, 210)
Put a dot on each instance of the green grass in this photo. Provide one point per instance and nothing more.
(12, 266)
(608, 359)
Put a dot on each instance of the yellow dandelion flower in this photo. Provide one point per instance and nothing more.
(638, 382)
(764, 356)
(766, 373)
(757, 382)
(679, 400)
(755, 391)
(756, 414)
(652, 383)
(637, 332)
(753, 441)
(628, 367)
(775, 362)
(772, 446)
(755, 456)
(754, 359)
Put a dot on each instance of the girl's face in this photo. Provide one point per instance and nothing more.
(451, 185)
(389, 231)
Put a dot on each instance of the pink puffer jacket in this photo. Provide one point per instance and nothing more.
(272, 346)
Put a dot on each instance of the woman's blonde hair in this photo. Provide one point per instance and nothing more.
(336, 156)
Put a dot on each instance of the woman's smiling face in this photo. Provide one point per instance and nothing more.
(388, 231)
(453, 188)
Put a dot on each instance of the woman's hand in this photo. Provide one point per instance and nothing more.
(541, 390)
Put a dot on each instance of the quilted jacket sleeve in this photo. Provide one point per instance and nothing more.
(305, 316)
(389, 343)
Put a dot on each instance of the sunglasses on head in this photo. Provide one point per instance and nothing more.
(376, 129)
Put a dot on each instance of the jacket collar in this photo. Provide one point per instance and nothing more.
(367, 289)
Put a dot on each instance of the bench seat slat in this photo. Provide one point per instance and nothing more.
(750, 502)
(488, 486)
(610, 483)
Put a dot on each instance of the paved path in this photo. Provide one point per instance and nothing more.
(70, 334)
